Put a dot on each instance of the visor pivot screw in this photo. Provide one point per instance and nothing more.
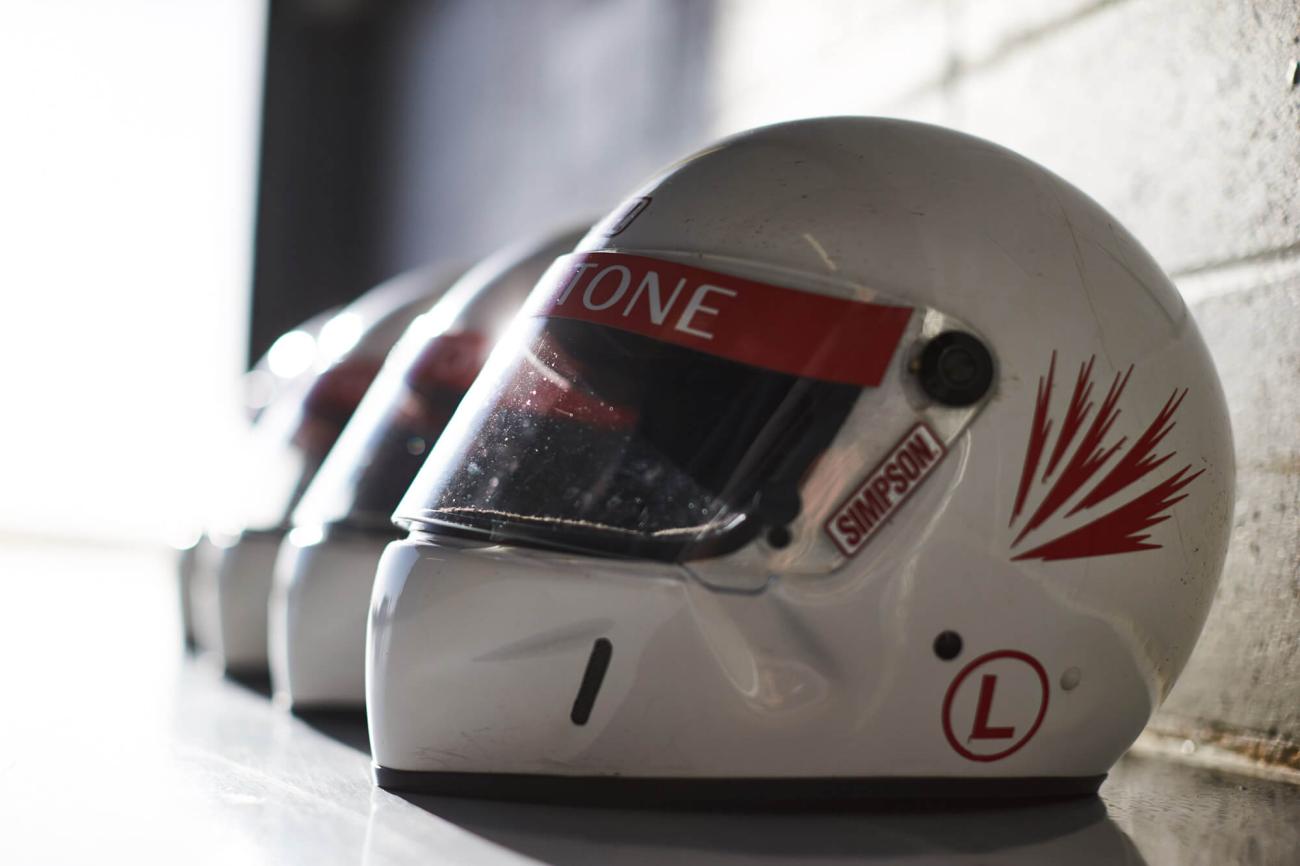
(956, 369)
(947, 645)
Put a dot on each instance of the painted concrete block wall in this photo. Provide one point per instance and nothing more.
(515, 118)
(1183, 118)
(1179, 115)
(1241, 688)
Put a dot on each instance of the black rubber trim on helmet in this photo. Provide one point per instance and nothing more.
(359, 528)
(272, 533)
(255, 678)
(784, 794)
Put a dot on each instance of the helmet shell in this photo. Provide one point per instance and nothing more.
(1019, 616)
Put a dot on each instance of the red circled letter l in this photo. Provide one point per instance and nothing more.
(981, 729)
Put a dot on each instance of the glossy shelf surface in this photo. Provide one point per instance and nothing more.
(119, 748)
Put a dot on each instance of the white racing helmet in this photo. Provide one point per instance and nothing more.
(326, 564)
(279, 375)
(848, 458)
(292, 436)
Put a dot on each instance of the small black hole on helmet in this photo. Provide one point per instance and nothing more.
(947, 645)
(778, 537)
(956, 369)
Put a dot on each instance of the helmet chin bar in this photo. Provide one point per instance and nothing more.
(317, 617)
(478, 670)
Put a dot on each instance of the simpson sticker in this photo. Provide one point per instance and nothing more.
(766, 326)
(885, 489)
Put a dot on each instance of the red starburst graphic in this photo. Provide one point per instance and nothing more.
(1123, 529)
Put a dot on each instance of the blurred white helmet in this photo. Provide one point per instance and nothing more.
(290, 440)
(848, 458)
(326, 564)
(278, 375)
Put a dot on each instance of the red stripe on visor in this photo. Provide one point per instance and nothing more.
(774, 328)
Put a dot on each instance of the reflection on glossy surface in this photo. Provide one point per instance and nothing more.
(121, 750)
(291, 354)
(1186, 815)
(339, 335)
(1066, 833)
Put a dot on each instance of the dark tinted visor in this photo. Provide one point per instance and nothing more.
(652, 409)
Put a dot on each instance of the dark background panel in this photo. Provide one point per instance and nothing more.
(402, 132)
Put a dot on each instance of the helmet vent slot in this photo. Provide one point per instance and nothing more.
(592, 677)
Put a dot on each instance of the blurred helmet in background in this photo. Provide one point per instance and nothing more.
(291, 358)
(285, 448)
(279, 375)
(326, 565)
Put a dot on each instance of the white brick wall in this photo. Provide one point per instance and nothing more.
(1178, 115)
(1243, 681)
(1182, 118)
(774, 63)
